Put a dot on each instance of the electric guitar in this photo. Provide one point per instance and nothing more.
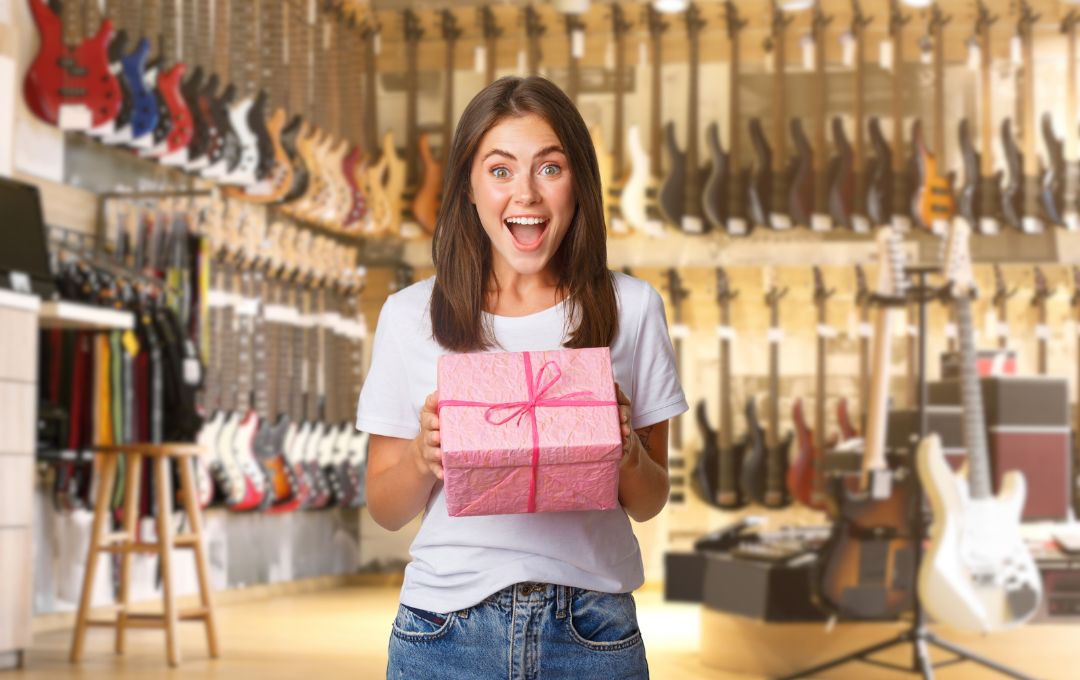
(902, 186)
(765, 466)
(934, 205)
(1071, 190)
(805, 477)
(865, 570)
(70, 74)
(779, 202)
(716, 473)
(760, 191)
(879, 172)
(425, 206)
(820, 215)
(1031, 221)
(1042, 293)
(978, 574)
(677, 293)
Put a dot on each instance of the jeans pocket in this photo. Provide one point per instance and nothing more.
(418, 624)
(604, 621)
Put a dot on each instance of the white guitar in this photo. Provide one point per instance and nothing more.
(978, 574)
(634, 198)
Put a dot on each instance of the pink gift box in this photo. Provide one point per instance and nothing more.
(529, 432)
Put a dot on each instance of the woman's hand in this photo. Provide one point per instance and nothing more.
(428, 443)
(631, 444)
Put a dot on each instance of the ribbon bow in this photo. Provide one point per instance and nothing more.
(537, 391)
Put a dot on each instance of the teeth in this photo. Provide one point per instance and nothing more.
(525, 220)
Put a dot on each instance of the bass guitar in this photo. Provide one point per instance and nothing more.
(978, 573)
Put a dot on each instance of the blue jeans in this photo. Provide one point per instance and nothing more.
(528, 631)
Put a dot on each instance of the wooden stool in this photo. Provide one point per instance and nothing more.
(125, 543)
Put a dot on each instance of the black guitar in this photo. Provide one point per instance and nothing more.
(760, 188)
(840, 177)
(716, 473)
(968, 196)
(1012, 194)
(780, 216)
(1053, 181)
(764, 473)
(800, 176)
(879, 172)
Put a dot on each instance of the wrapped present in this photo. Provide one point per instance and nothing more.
(529, 432)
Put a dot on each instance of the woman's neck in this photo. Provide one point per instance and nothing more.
(515, 294)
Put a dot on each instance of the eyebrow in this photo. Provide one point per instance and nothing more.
(554, 148)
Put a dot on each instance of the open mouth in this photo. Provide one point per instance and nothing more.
(528, 233)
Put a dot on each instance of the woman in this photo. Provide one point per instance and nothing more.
(520, 265)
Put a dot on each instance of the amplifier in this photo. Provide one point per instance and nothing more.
(1022, 401)
(1043, 455)
(987, 362)
(684, 576)
(1061, 585)
(761, 588)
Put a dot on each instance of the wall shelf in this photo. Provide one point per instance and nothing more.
(76, 316)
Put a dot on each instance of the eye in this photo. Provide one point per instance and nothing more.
(500, 172)
(551, 170)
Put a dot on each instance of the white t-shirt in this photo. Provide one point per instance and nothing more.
(458, 561)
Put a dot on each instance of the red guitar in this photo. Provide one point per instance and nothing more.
(62, 75)
(805, 479)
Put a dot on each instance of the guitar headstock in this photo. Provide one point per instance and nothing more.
(487, 23)
(676, 291)
(724, 293)
(780, 21)
(819, 20)
(1076, 286)
(412, 31)
(694, 21)
(449, 25)
(892, 281)
(821, 292)
(619, 24)
(655, 22)
(773, 292)
(1042, 289)
(897, 19)
(959, 271)
(534, 27)
(983, 18)
(1002, 292)
(859, 21)
(938, 20)
(1070, 21)
(1026, 19)
(574, 22)
(735, 23)
(862, 291)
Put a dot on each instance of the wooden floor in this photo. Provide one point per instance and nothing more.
(343, 633)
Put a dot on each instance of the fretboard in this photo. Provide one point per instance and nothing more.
(974, 420)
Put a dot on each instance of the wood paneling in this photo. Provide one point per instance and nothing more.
(16, 491)
(15, 589)
(18, 403)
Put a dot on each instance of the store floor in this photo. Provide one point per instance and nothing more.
(342, 634)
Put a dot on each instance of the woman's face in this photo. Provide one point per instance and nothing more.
(523, 193)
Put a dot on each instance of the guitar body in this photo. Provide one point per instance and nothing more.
(866, 568)
(933, 202)
(245, 171)
(196, 145)
(290, 134)
(207, 438)
(804, 475)
(879, 173)
(336, 197)
(144, 109)
(61, 76)
(673, 189)
(307, 146)
(800, 177)
(393, 186)
(224, 151)
(633, 199)
(847, 429)
(968, 202)
(714, 197)
(761, 188)
(116, 51)
(756, 472)
(708, 481)
(212, 136)
(282, 174)
(425, 205)
(358, 449)
(1011, 195)
(251, 492)
(1053, 182)
(352, 169)
(182, 127)
(978, 574)
(322, 493)
(841, 178)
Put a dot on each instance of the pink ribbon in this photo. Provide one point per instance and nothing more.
(537, 390)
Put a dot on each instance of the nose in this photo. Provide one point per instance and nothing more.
(525, 192)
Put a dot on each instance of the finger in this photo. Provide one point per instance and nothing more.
(620, 397)
(431, 403)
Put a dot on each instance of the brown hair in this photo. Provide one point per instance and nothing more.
(461, 248)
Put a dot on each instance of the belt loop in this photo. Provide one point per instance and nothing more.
(562, 598)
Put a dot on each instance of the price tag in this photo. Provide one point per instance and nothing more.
(776, 335)
(680, 331)
(376, 43)
(1042, 331)
(693, 225)
(1016, 51)
(819, 222)
(577, 43)
(363, 327)
(480, 59)
(726, 333)
(826, 331)
(860, 224)
(779, 221)
(247, 306)
(736, 226)
(1031, 225)
(20, 282)
(939, 227)
(847, 49)
(913, 330)
(866, 330)
(642, 54)
(1003, 329)
(885, 55)
(901, 223)
(192, 371)
(1072, 220)
(75, 117)
(609, 56)
(807, 45)
(988, 226)
(769, 61)
(950, 331)
(619, 226)
(974, 56)
(522, 61)
(926, 56)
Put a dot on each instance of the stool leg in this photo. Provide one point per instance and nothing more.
(131, 522)
(165, 544)
(106, 480)
(194, 513)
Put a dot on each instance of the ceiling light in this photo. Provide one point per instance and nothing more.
(670, 6)
(918, 3)
(796, 5)
(572, 6)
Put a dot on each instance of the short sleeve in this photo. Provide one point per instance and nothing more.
(385, 407)
(658, 394)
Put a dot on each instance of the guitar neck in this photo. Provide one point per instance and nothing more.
(878, 404)
(821, 379)
(779, 103)
(655, 123)
(986, 159)
(774, 377)
(727, 421)
(974, 423)
(1070, 93)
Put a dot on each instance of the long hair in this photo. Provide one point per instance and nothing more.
(461, 249)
